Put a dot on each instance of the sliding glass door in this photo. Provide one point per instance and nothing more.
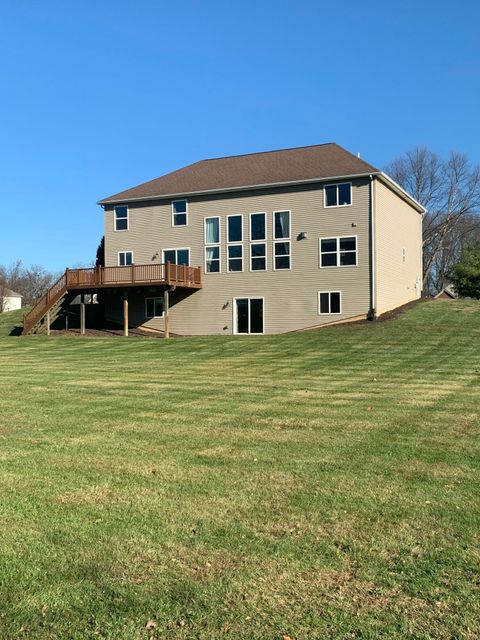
(249, 315)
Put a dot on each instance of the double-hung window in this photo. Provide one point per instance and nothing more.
(329, 302)
(179, 213)
(212, 244)
(234, 243)
(281, 244)
(153, 307)
(338, 252)
(258, 246)
(125, 258)
(120, 215)
(177, 256)
(338, 195)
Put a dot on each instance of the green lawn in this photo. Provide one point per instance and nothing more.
(311, 485)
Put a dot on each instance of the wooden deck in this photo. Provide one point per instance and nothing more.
(136, 275)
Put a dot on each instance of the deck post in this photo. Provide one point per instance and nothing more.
(82, 314)
(125, 313)
(48, 322)
(166, 296)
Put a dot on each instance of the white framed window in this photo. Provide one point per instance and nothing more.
(329, 303)
(337, 195)
(248, 316)
(338, 252)
(235, 258)
(212, 236)
(125, 258)
(258, 229)
(179, 213)
(120, 218)
(258, 256)
(177, 256)
(235, 228)
(281, 244)
(154, 307)
(258, 246)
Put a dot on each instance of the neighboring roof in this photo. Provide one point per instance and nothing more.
(447, 292)
(267, 168)
(8, 293)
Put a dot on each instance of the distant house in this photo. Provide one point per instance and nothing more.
(9, 300)
(259, 243)
(448, 293)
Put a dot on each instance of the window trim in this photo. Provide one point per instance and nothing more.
(329, 313)
(236, 244)
(336, 184)
(118, 258)
(147, 317)
(115, 218)
(211, 244)
(176, 249)
(337, 253)
(234, 215)
(254, 213)
(235, 332)
(174, 214)
(264, 242)
(288, 239)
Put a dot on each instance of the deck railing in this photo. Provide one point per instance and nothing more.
(108, 277)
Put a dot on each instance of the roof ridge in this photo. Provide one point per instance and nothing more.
(259, 153)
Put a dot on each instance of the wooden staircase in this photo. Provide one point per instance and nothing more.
(48, 307)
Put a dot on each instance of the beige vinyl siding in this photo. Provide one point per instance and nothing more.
(291, 301)
(398, 226)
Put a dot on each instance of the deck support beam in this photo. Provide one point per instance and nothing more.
(82, 314)
(125, 313)
(166, 296)
(48, 322)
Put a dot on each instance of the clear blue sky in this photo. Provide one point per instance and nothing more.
(98, 96)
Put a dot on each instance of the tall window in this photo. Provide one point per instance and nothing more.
(125, 258)
(153, 307)
(212, 245)
(281, 231)
(177, 256)
(120, 214)
(179, 213)
(234, 250)
(338, 195)
(258, 249)
(329, 302)
(338, 252)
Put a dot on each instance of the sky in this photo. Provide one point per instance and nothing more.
(99, 96)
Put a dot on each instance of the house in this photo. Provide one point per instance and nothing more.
(9, 300)
(258, 243)
(448, 293)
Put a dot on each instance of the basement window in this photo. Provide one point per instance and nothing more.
(154, 307)
(329, 302)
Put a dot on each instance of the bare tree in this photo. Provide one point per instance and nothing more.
(450, 191)
(31, 282)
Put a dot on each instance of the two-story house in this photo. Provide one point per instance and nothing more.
(270, 242)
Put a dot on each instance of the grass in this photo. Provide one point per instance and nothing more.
(315, 485)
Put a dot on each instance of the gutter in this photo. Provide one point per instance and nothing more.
(251, 187)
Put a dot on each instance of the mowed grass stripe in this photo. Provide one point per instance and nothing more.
(320, 485)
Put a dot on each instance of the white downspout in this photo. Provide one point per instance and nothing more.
(373, 276)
